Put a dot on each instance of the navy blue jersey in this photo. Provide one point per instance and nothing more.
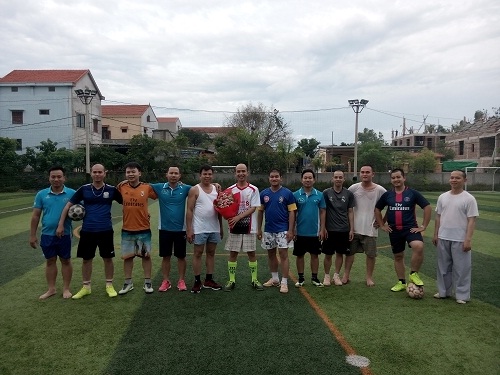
(97, 204)
(401, 207)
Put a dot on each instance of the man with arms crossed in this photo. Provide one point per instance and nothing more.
(243, 228)
(136, 231)
(310, 226)
(204, 228)
(278, 204)
(97, 228)
(48, 205)
(456, 213)
(402, 226)
(339, 227)
(366, 194)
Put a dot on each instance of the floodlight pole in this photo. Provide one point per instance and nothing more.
(86, 97)
(357, 106)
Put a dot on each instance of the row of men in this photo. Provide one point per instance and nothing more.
(337, 221)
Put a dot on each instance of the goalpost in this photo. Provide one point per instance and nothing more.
(484, 176)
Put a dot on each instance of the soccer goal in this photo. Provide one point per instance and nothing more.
(482, 176)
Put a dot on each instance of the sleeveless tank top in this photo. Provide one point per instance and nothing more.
(205, 218)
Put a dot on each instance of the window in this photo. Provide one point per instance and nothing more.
(408, 141)
(80, 120)
(14, 89)
(124, 130)
(106, 134)
(461, 148)
(148, 119)
(17, 117)
(429, 143)
(43, 111)
(52, 88)
(472, 147)
(19, 144)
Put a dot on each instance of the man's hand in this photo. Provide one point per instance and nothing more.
(417, 229)
(33, 242)
(386, 228)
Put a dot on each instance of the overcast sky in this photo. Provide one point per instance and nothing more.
(410, 59)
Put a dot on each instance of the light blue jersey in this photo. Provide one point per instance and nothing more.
(172, 206)
(308, 212)
(52, 205)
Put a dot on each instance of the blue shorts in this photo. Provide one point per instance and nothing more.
(203, 238)
(400, 237)
(136, 244)
(53, 246)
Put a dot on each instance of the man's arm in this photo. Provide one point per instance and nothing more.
(291, 225)
(191, 201)
(233, 220)
(260, 219)
(427, 219)
(471, 225)
(437, 223)
(35, 219)
(350, 216)
(64, 214)
(322, 224)
(380, 221)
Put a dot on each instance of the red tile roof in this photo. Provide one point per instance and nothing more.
(124, 110)
(44, 76)
(168, 119)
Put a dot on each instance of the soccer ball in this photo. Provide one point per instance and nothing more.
(76, 212)
(415, 291)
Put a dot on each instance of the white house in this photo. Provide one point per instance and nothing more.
(37, 105)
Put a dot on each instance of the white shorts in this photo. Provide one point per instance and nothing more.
(241, 242)
(275, 240)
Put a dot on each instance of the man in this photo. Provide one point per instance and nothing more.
(48, 205)
(243, 228)
(402, 226)
(204, 228)
(97, 228)
(311, 212)
(278, 204)
(136, 231)
(456, 213)
(366, 195)
(339, 227)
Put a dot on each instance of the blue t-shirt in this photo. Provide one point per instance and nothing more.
(97, 204)
(276, 205)
(52, 205)
(172, 206)
(401, 207)
(308, 212)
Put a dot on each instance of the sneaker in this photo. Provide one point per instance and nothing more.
(111, 291)
(196, 287)
(257, 285)
(461, 301)
(181, 285)
(326, 280)
(210, 284)
(283, 288)
(336, 279)
(82, 293)
(399, 287)
(165, 285)
(272, 282)
(229, 286)
(415, 279)
(148, 288)
(299, 283)
(317, 283)
(126, 288)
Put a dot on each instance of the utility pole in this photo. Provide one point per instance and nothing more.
(357, 106)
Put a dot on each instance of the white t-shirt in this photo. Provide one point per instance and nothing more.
(205, 218)
(364, 210)
(454, 210)
(249, 197)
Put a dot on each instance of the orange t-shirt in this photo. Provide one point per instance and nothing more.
(135, 206)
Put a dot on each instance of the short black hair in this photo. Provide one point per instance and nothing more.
(398, 170)
(57, 168)
(275, 170)
(464, 175)
(206, 167)
(132, 165)
(308, 170)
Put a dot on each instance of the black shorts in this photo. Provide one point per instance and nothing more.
(172, 240)
(337, 242)
(399, 238)
(306, 244)
(89, 241)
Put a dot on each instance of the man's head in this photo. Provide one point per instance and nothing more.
(133, 172)
(338, 179)
(57, 176)
(206, 174)
(308, 178)
(366, 173)
(241, 172)
(275, 177)
(457, 179)
(98, 173)
(398, 178)
(173, 174)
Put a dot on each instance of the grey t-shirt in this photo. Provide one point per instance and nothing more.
(337, 208)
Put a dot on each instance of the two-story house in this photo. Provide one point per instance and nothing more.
(168, 127)
(42, 104)
(121, 122)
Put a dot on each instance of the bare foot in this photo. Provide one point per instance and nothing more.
(345, 280)
(47, 294)
(370, 282)
(67, 294)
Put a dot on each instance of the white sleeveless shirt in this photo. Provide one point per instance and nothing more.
(205, 218)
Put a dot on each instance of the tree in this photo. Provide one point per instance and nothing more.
(309, 146)
(478, 115)
(373, 154)
(11, 162)
(151, 153)
(425, 162)
(238, 145)
(369, 136)
(443, 149)
(195, 139)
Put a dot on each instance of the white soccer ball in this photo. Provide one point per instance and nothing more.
(76, 212)
(415, 291)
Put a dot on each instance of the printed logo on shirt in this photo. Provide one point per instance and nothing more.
(105, 195)
(407, 199)
(266, 198)
(142, 193)
(280, 200)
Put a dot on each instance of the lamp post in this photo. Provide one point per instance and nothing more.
(357, 106)
(86, 97)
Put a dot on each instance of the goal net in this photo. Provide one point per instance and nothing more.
(482, 178)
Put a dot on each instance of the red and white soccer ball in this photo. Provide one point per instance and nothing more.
(415, 291)
(76, 212)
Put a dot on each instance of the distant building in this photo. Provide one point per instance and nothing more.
(168, 127)
(121, 122)
(41, 104)
(419, 140)
(212, 132)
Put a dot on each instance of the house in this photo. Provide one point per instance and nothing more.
(121, 122)
(42, 104)
(478, 141)
(167, 128)
(419, 140)
(211, 131)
